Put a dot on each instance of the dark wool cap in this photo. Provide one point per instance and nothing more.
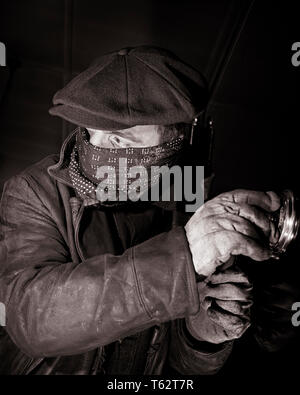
(133, 86)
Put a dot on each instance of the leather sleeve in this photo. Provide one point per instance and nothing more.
(189, 356)
(58, 307)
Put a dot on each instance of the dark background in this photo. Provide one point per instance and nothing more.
(254, 101)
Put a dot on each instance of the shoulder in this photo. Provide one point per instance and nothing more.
(39, 169)
(34, 178)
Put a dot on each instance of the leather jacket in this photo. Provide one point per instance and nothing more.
(63, 307)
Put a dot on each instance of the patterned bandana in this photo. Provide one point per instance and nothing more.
(87, 159)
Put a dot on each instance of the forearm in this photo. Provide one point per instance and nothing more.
(63, 309)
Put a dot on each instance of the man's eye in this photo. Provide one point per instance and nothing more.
(114, 139)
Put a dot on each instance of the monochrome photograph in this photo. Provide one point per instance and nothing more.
(149, 180)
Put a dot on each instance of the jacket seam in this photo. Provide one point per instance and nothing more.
(139, 291)
(58, 165)
(191, 273)
(76, 232)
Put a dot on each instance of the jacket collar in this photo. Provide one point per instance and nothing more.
(60, 171)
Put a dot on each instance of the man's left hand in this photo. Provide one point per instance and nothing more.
(225, 301)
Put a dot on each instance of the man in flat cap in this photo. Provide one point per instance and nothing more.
(118, 285)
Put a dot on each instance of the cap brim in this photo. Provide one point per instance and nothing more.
(82, 118)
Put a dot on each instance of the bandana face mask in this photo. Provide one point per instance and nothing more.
(119, 174)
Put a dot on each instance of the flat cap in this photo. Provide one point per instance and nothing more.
(133, 86)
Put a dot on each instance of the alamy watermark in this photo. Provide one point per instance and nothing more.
(2, 54)
(2, 314)
(296, 54)
(157, 183)
(296, 315)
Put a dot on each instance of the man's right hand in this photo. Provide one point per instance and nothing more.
(233, 223)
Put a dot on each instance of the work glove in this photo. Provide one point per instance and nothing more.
(233, 223)
(225, 302)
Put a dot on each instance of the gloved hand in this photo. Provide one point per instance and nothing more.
(233, 223)
(225, 301)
